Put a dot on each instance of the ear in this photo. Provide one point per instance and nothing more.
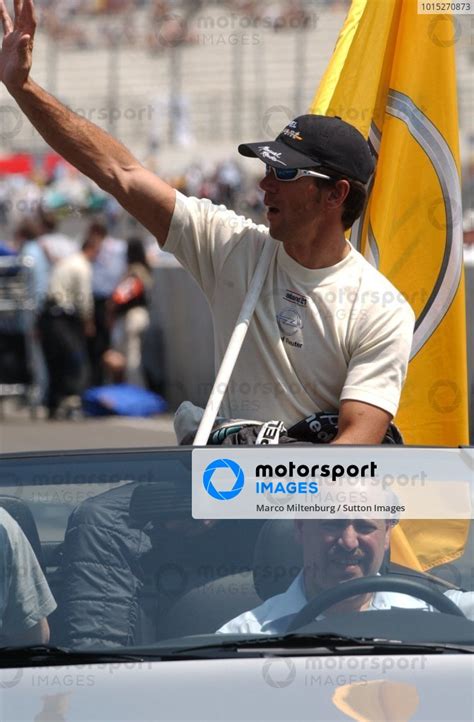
(338, 193)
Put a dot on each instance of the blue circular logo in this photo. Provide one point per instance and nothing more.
(223, 464)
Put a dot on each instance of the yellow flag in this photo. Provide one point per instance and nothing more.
(392, 75)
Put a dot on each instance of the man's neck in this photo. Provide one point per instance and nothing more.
(322, 253)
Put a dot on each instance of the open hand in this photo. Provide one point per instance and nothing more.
(17, 47)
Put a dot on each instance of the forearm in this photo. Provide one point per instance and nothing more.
(86, 146)
(361, 423)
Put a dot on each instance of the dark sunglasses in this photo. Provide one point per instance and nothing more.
(291, 174)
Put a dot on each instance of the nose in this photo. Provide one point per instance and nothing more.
(348, 538)
(268, 182)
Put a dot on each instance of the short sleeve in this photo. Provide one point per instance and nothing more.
(202, 235)
(379, 359)
(29, 598)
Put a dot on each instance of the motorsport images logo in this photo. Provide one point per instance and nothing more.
(225, 469)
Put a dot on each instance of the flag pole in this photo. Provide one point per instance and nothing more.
(235, 344)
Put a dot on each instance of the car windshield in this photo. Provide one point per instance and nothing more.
(129, 567)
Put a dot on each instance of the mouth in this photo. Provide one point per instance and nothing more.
(272, 211)
(348, 565)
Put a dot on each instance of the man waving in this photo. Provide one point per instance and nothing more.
(330, 333)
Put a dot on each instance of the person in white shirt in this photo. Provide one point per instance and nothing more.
(334, 551)
(55, 245)
(66, 322)
(307, 349)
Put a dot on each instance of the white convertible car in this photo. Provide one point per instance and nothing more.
(141, 588)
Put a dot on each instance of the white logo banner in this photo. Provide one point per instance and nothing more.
(383, 482)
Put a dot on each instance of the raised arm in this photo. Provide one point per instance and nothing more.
(86, 146)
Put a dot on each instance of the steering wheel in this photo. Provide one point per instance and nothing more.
(385, 583)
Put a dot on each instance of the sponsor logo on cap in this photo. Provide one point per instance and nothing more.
(292, 131)
(270, 154)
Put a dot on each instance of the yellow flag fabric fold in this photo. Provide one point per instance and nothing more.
(392, 75)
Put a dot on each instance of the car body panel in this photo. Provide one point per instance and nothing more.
(376, 688)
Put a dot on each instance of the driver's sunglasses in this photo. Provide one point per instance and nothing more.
(292, 174)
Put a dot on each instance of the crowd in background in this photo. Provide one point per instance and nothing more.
(165, 22)
(64, 191)
(90, 308)
(91, 289)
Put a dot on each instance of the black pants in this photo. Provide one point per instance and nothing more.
(100, 342)
(65, 350)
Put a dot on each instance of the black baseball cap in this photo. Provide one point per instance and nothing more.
(312, 141)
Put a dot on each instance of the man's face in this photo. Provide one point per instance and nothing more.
(293, 206)
(341, 549)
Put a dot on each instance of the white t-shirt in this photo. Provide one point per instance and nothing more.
(271, 617)
(58, 246)
(70, 285)
(317, 336)
(25, 597)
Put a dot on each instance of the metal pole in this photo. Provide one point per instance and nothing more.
(235, 344)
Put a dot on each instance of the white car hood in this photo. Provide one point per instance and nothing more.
(372, 688)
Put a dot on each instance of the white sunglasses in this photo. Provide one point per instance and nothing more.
(291, 174)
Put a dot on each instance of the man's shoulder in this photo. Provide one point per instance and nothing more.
(376, 289)
(260, 618)
(33, 249)
(218, 213)
(72, 260)
(5, 519)
(79, 262)
(68, 244)
(9, 526)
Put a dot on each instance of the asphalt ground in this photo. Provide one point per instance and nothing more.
(19, 432)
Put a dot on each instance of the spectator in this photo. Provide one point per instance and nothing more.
(26, 240)
(107, 270)
(65, 324)
(56, 245)
(131, 316)
(229, 181)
